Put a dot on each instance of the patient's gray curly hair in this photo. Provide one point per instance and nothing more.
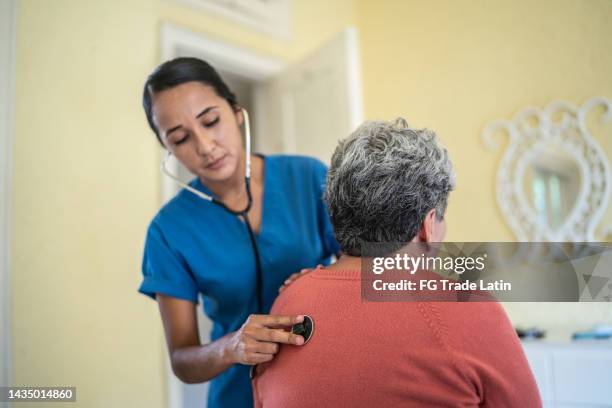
(384, 178)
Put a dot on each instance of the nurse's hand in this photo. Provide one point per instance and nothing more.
(258, 339)
(296, 275)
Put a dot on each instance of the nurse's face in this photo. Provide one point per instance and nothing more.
(201, 129)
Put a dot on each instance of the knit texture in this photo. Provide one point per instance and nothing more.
(390, 354)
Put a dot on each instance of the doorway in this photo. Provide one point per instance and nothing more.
(245, 73)
(302, 108)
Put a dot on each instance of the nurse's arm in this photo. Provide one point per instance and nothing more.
(255, 342)
(191, 361)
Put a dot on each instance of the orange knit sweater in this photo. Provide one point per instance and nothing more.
(384, 354)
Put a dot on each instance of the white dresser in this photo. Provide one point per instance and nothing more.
(572, 374)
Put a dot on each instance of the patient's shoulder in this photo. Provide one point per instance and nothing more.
(292, 292)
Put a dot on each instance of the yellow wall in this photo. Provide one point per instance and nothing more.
(86, 179)
(86, 184)
(454, 66)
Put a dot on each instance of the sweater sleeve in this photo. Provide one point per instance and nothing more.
(490, 354)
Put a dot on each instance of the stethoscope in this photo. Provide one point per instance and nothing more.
(243, 213)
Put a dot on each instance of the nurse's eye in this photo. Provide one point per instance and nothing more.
(181, 140)
(211, 123)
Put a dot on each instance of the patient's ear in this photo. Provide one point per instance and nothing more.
(431, 229)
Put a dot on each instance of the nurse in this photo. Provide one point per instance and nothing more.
(195, 247)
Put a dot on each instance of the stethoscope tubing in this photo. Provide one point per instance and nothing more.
(241, 213)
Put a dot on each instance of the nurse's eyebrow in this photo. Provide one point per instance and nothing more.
(204, 112)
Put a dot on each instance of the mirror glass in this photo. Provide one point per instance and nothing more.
(552, 184)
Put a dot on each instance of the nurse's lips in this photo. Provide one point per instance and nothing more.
(217, 164)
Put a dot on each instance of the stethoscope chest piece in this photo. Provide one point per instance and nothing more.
(304, 329)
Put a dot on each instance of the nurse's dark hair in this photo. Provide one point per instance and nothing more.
(179, 71)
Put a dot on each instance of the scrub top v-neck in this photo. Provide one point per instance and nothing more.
(194, 247)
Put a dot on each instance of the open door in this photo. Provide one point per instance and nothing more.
(308, 107)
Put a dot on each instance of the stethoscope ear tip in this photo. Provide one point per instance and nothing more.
(304, 329)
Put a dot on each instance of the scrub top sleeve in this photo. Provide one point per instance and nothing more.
(327, 231)
(164, 270)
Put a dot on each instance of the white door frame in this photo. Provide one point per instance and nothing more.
(224, 57)
(8, 14)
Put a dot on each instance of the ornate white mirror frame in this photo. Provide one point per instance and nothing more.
(560, 132)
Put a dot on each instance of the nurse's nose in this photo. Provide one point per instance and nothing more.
(205, 143)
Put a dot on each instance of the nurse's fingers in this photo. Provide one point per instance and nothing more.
(262, 347)
(296, 275)
(277, 336)
(274, 321)
(258, 358)
(290, 279)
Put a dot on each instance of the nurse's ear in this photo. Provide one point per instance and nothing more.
(239, 114)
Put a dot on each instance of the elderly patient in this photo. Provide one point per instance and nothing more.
(390, 183)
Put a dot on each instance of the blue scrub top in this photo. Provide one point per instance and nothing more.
(196, 247)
